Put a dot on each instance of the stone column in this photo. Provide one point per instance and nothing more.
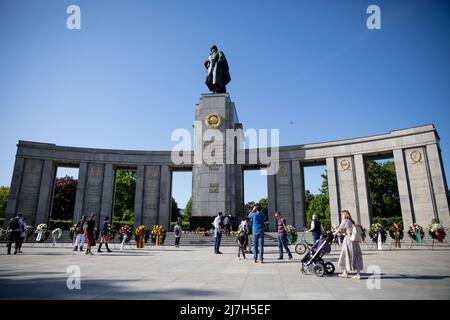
(365, 216)
(420, 186)
(79, 198)
(93, 190)
(298, 184)
(151, 196)
(139, 195)
(438, 183)
(46, 192)
(107, 193)
(165, 200)
(29, 191)
(14, 190)
(272, 199)
(285, 200)
(403, 189)
(333, 192)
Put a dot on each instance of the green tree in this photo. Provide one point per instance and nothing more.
(384, 197)
(175, 211)
(188, 210)
(64, 198)
(125, 194)
(264, 205)
(4, 194)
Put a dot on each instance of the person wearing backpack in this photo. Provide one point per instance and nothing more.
(79, 240)
(177, 233)
(14, 227)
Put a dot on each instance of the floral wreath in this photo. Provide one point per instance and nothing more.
(56, 234)
(415, 230)
(125, 230)
(291, 234)
(42, 230)
(158, 231)
(396, 228)
(374, 230)
(436, 231)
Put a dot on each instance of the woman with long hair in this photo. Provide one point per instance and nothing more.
(351, 255)
(90, 233)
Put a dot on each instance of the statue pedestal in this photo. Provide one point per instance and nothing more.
(216, 186)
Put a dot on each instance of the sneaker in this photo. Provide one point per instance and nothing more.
(290, 258)
(100, 251)
(218, 252)
(281, 258)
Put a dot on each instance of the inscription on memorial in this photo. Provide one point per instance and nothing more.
(213, 188)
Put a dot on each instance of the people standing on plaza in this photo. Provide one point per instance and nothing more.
(282, 236)
(350, 258)
(14, 227)
(89, 232)
(316, 228)
(242, 243)
(106, 234)
(79, 234)
(177, 233)
(258, 218)
(227, 225)
(217, 224)
(23, 234)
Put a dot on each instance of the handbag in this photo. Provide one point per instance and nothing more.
(356, 234)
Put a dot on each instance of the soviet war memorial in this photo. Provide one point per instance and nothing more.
(272, 151)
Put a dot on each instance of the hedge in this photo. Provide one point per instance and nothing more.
(63, 224)
(184, 225)
(387, 222)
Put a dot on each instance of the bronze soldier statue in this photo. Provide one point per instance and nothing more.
(218, 73)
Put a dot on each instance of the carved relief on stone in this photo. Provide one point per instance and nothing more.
(152, 172)
(95, 171)
(283, 170)
(345, 164)
(213, 120)
(415, 156)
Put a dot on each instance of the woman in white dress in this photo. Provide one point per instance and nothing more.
(351, 255)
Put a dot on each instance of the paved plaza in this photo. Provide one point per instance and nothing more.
(195, 273)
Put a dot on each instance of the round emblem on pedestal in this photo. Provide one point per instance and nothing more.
(415, 156)
(213, 121)
(345, 164)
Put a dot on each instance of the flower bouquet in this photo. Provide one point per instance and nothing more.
(42, 233)
(158, 234)
(376, 230)
(416, 232)
(396, 233)
(291, 234)
(140, 236)
(436, 231)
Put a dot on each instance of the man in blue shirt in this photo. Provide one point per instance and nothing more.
(258, 217)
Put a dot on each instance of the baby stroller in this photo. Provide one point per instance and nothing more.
(312, 262)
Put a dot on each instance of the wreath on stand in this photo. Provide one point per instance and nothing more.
(436, 231)
(158, 235)
(125, 231)
(291, 234)
(396, 233)
(42, 233)
(416, 232)
(375, 230)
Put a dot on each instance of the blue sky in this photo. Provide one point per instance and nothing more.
(134, 72)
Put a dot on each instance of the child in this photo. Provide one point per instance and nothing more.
(242, 243)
